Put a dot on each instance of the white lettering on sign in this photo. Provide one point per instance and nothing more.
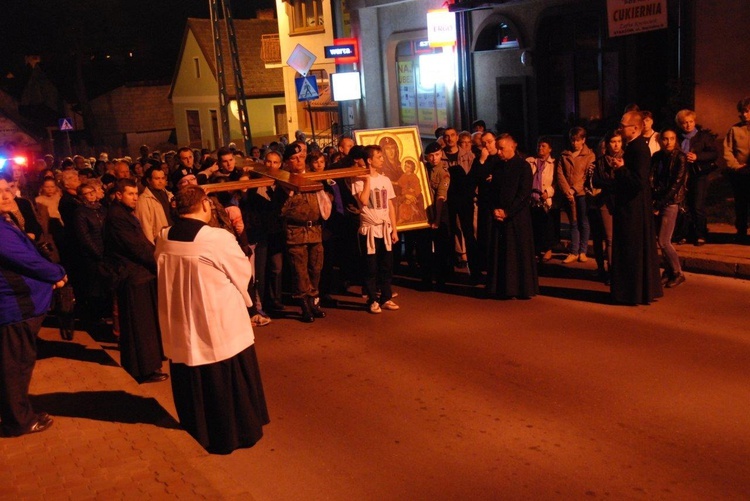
(344, 51)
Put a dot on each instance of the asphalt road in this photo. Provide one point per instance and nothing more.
(452, 397)
(563, 396)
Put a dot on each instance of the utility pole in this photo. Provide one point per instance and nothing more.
(226, 11)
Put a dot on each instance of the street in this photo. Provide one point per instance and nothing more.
(453, 397)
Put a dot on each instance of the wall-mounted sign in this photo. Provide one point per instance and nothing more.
(346, 44)
(346, 86)
(625, 17)
(338, 51)
(441, 28)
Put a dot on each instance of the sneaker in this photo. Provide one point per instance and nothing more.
(701, 242)
(375, 307)
(259, 320)
(390, 305)
(571, 258)
(582, 258)
(665, 277)
(547, 256)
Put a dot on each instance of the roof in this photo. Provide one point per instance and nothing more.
(257, 79)
(134, 107)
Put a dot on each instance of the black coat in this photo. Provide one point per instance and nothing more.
(703, 144)
(635, 262)
(511, 265)
(126, 246)
(88, 223)
(31, 222)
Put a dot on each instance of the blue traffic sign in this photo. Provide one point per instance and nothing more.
(307, 88)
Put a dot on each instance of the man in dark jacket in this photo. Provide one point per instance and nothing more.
(130, 252)
(26, 283)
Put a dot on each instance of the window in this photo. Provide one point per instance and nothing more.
(422, 101)
(502, 35)
(195, 138)
(305, 16)
(197, 66)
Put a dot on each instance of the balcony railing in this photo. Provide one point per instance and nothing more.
(270, 51)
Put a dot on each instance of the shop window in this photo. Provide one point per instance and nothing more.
(422, 97)
(305, 16)
(497, 36)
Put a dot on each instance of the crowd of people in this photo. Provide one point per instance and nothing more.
(184, 275)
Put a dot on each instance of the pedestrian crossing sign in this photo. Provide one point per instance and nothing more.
(307, 88)
(65, 124)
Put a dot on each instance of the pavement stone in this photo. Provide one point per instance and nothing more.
(111, 438)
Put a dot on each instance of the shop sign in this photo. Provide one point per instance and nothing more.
(441, 28)
(626, 17)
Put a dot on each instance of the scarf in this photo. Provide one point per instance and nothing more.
(685, 146)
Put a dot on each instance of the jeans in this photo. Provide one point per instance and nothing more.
(580, 229)
(667, 220)
(601, 235)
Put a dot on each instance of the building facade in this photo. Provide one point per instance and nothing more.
(194, 91)
(534, 67)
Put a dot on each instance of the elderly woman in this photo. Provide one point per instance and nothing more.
(699, 146)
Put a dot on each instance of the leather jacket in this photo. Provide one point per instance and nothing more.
(668, 178)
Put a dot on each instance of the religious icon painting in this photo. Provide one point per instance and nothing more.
(402, 152)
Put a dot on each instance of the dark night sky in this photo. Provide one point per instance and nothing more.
(57, 29)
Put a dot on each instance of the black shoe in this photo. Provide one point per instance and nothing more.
(43, 421)
(315, 307)
(677, 280)
(156, 377)
(276, 306)
(307, 314)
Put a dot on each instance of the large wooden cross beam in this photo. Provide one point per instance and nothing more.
(262, 176)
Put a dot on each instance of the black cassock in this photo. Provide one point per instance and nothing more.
(635, 262)
(132, 254)
(511, 267)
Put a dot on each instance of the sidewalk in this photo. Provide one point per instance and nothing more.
(720, 256)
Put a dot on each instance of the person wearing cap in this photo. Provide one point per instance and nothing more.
(303, 214)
